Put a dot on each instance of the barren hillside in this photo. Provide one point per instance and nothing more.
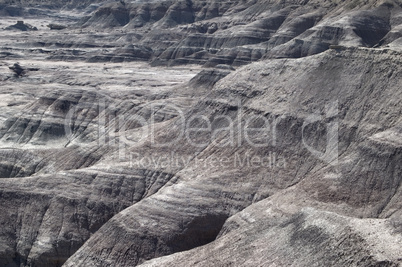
(201, 133)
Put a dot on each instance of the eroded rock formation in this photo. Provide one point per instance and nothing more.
(101, 163)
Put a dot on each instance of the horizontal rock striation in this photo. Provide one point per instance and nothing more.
(106, 162)
(231, 32)
(220, 32)
(365, 183)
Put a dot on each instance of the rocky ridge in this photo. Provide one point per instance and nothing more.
(234, 32)
(221, 32)
(360, 187)
(94, 170)
(162, 209)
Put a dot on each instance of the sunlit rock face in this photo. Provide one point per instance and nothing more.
(201, 133)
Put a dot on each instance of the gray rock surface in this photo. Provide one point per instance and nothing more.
(232, 32)
(169, 32)
(363, 188)
(47, 3)
(52, 200)
(310, 237)
(101, 165)
(21, 26)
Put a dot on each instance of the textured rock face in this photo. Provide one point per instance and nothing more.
(292, 160)
(359, 187)
(219, 32)
(49, 142)
(49, 3)
(162, 209)
(22, 27)
(307, 238)
(234, 32)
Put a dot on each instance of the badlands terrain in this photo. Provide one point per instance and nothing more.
(200, 133)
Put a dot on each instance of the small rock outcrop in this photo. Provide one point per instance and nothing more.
(209, 77)
(21, 26)
(17, 69)
(54, 26)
